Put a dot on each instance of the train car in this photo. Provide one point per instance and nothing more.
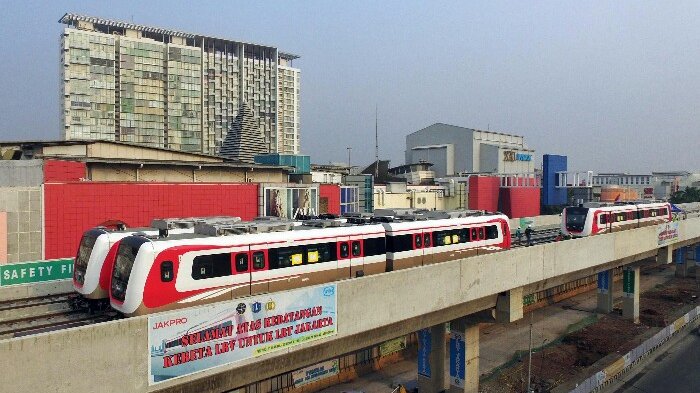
(98, 246)
(152, 275)
(594, 219)
(423, 238)
(222, 262)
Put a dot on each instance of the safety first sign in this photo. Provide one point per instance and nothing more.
(33, 272)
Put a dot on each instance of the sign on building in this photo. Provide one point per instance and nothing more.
(289, 202)
(392, 346)
(193, 340)
(316, 372)
(34, 272)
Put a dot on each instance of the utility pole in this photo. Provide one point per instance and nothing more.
(376, 143)
(349, 150)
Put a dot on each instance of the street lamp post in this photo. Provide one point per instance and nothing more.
(529, 357)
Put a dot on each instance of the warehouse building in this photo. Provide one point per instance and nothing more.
(457, 150)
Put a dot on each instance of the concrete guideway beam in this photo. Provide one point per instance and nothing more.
(370, 311)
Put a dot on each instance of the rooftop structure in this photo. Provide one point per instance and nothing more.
(454, 150)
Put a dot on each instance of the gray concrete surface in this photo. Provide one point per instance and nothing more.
(15, 292)
(438, 293)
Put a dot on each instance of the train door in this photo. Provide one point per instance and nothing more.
(259, 268)
(357, 258)
(428, 250)
(241, 268)
(477, 235)
(418, 256)
(344, 254)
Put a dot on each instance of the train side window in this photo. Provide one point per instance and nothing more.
(375, 246)
(603, 218)
(475, 234)
(664, 212)
(443, 238)
(209, 266)
(427, 242)
(481, 233)
(492, 232)
(319, 252)
(241, 263)
(455, 237)
(285, 257)
(344, 250)
(399, 243)
(653, 213)
(258, 260)
(356, 248)
(418, 241)
(464, 235)
(166, 271)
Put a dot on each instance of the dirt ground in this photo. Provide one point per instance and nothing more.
(567, 358)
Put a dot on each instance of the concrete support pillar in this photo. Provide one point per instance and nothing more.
(630, 293)
(509, 306)
(431, 359)
(681, 263)
(605, 291)
(464, 356)
(664, 255)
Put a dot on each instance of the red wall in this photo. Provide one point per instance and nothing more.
(57, 170)
(332, 192)
(483, 193)
(519, 202)
(72, 208)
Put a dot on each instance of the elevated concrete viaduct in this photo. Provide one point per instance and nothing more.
(113, 356)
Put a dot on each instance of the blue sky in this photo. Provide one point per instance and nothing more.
(613, 85)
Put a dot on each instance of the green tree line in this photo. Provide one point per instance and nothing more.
(690, 194)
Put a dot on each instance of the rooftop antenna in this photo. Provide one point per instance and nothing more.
(376, 144)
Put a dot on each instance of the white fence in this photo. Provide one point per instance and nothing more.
(627, 361)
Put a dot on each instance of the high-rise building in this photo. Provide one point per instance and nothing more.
(165, 88)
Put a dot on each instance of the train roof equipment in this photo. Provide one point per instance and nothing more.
(164, 225)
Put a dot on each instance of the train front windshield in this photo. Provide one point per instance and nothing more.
(87, 243)
(126, 255)
(576, 218)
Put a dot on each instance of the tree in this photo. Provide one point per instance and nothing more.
(690, 194)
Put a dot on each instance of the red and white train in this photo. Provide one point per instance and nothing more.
(590, 220)
(152, 275)
(93, 263)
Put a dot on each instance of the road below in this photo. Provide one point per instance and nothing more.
(675, 370)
